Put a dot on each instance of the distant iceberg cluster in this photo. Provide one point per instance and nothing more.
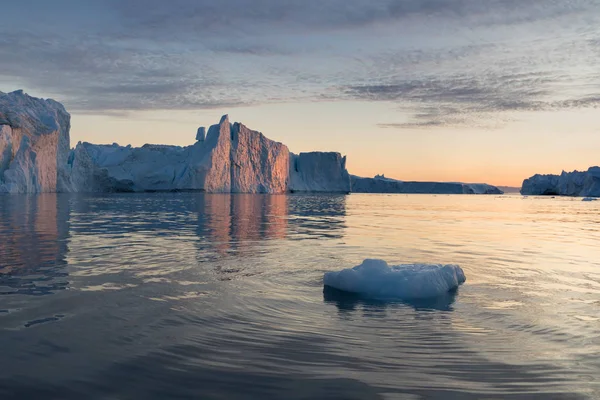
(375, 279)
(35, 156)
(576, 183)
(381, 184)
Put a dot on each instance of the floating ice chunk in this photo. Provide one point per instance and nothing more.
(589, 199)
(377, 280)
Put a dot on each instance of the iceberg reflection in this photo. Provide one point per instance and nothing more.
(347, 301)
(34, 232)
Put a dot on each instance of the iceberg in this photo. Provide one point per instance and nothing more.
(375, 279)
(34, 144)
(35, 156)
(319, 172)
(381, 184)
(230, 159)
(226, 158)
(576, 183)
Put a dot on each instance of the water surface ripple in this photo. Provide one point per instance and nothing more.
(190, 295)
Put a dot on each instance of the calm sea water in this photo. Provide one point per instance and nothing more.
(184, 295)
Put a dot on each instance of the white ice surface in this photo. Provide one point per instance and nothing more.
(34, 144)
(376, 279)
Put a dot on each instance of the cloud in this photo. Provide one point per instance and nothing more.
(495, 80)
(208, 16)
(435, 101)
(466, 100)
(440, 61)
(423, 124)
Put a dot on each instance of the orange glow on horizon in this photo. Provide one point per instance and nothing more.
(505, 156)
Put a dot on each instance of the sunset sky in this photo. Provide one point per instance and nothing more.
(451, 90)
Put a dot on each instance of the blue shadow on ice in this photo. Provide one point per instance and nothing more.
(348, 301)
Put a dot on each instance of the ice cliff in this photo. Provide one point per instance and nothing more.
(230, 158)
(319, 172)
(381, 184)
(576, 183)
(34, 144)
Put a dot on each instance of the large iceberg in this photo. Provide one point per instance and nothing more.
(231, 158)
(319, 172)
(381, 184)
(228, 158)
(375, 279)
(34, 144)
(576, 183)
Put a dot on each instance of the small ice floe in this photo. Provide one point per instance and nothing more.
(589, 199)
(375, 279)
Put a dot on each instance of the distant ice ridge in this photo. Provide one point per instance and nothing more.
(381, 184)
(375, 279)
(35, 157)
(576, 183)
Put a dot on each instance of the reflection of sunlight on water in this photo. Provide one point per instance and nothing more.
(106, 286)
(503, 305)
(463, 327)
(587, 318)
(182, 296)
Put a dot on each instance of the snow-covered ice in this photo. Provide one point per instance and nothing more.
(375, 279)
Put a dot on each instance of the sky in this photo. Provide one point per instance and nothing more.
(449, 90)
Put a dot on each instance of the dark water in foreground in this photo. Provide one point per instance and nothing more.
(176, 296)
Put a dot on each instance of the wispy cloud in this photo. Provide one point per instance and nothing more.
(458, 99)
(219, 17)
(440, 61)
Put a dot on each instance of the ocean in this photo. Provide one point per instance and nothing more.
(212, 296)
